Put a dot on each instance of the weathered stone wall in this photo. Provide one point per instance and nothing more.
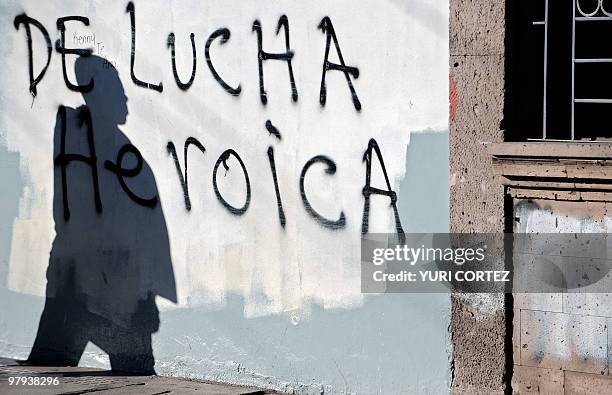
(476, 200)
(560, 343)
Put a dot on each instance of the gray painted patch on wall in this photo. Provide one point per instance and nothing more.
(424, 191)
(10, 190)
(392, 344)
(20, 313)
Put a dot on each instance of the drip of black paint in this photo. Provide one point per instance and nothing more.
(225, 36)
(273, 130)
(183, 178)
(159, 88)
(327, 28)
(222, 159)
(181, 85)
(285, 56)
(279, 202)
(331, 169)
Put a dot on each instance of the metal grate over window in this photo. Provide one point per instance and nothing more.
(559, 70)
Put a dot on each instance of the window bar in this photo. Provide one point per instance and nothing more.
(597, 60)
(573, 63)
(545, 24)
(600, 101)
(545, 65)
(593, 18)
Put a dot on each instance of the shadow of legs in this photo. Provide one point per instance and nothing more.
(60, 340)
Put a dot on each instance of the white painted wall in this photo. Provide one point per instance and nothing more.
(302, 273)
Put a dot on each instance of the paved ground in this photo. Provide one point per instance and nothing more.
(89, 380)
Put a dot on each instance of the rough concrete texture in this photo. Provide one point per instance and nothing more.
(75, 380)
(564, 341)
(583, 383)
(478, 350)
(477, 27)
(476, 197)
(530, 380)
(476, 201)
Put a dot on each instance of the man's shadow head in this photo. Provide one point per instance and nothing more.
(107, 98)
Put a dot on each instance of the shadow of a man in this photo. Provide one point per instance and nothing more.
(111, 254)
